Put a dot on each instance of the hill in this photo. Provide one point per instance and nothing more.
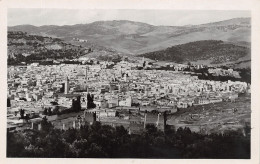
(23, 47)
(130, 37)
(215, 51)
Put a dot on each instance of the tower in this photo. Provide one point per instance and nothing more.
(125, 77)
(119, 87)
(146, 91)
(86, 73)
(67, 86)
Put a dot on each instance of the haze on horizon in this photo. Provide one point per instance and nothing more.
(40, 17)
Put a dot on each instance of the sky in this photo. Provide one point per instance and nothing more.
(39, 17)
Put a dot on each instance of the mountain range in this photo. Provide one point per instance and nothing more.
(135, 38)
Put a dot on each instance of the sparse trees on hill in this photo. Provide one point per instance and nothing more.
(36, 46)
(216, 50)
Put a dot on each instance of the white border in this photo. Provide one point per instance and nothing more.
(253, 5)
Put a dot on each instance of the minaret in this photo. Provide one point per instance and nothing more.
(119, 88)
(146, 91)
(86, 73)
(67, 86)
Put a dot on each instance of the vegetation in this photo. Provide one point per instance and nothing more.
(202, 73)
(216, 50)
(90, 101)
(245, 74)
(103, 141)
(111, 58)
(22, 113)
(76, 107)
(8, 102)
(144, 37)
(33, 48)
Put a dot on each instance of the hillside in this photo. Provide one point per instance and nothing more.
(23, 47)
(130, 37)
(214, 50)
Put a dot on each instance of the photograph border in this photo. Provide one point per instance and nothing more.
(252, 5)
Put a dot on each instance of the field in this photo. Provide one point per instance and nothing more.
(216, 117)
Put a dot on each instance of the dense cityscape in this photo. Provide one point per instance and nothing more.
(36, 88)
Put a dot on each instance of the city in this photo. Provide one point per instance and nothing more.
(125, 89)
(35, 88)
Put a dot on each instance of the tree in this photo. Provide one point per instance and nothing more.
(70, 135)
(150, 128)
(8, 102)
(105, 141)
(117, 114)
(76, 104)
(90, 101)
(45, 112)
(15, 145)
(135, 104)
(45, 125)
(49, 112)
(56, 110)
(22, 113)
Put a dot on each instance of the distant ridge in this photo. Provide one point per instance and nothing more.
(231, 21)
(129, 37)
(234, 21)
